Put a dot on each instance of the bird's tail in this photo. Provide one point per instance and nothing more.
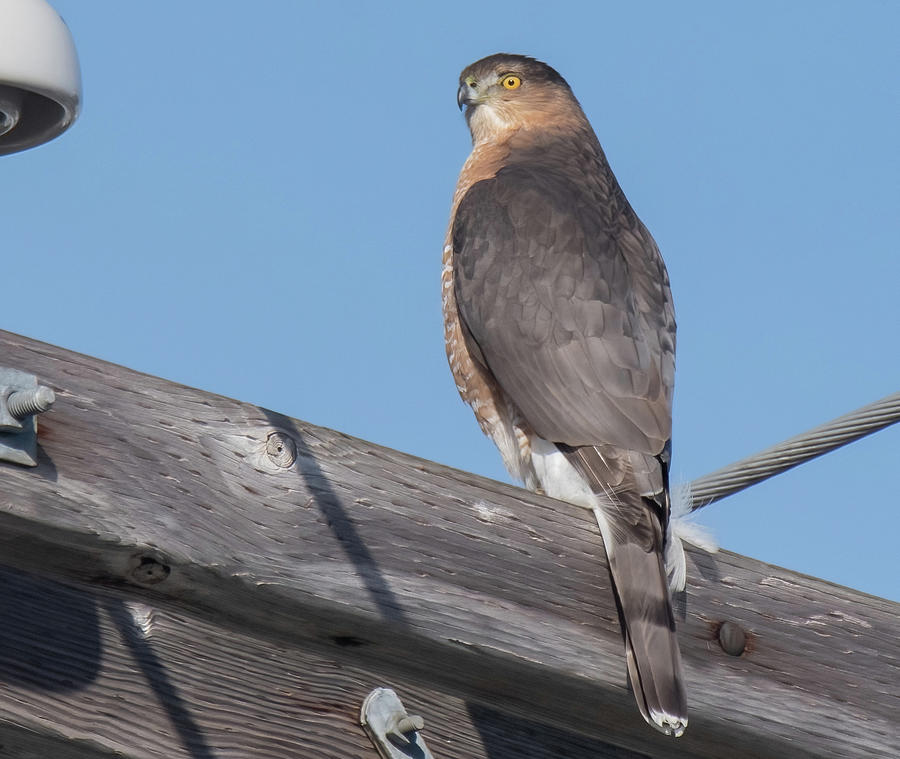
(648, 627)
(633, 529)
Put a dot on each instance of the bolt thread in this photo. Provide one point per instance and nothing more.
(410, 724)
(24, 403)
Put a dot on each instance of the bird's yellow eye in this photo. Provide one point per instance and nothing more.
(511, 82)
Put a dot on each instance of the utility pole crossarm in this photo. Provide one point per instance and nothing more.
(187, 575)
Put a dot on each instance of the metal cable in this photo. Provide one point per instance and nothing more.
(779, 458)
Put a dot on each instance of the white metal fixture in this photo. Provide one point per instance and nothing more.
(40, 81)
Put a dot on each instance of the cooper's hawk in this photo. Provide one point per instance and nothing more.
(560, 333)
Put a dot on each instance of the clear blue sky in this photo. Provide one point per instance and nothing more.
(254, 200)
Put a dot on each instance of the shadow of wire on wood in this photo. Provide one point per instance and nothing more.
(340, 524)
(154, 671)
(50, 640)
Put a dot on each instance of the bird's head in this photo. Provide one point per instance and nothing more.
(504, 93)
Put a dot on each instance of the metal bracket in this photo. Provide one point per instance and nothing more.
(394, 732)
(21, 400)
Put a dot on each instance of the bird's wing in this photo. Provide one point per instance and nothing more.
(570, 310)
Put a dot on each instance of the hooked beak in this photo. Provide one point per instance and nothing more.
(465, 95)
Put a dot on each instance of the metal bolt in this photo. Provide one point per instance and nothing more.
(732, 638)
(24, 403)
(400, 725)
(411, 724)
(392, 729)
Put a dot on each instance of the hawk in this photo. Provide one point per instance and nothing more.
(560, 333)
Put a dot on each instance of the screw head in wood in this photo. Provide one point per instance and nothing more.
(281, 449)
(732, 638)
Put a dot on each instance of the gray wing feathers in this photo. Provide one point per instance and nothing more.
(546, 291)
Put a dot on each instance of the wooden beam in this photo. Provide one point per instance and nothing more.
(90, 673)
(460, 589)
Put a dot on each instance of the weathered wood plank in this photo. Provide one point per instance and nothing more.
(114, 676)
(422, 573)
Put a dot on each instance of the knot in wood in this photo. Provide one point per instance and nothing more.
(281, 449)
(732, 638)
(147, 570)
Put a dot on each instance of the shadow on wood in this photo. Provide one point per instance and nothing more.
(50, 637)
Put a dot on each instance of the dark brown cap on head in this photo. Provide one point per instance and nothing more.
(509, 63)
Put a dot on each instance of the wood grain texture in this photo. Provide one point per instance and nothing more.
(462, 589)
(90, 673)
